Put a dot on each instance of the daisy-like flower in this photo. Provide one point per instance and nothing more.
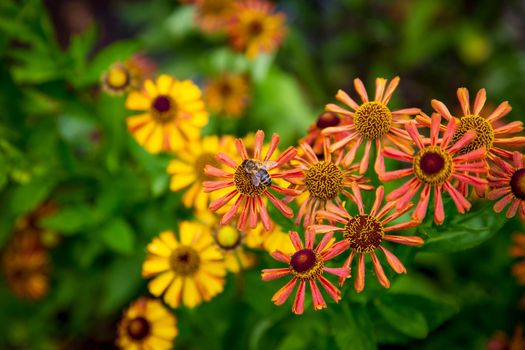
(122, 77)
(323, 182)
(189, 270)
(249, 181)
(228, 94)
(146, 324)
(365, 232)
(213, 15)
(492, 137)
(256, 28)
(306, 266)
(26, 265)
(173, 115)
(369, 123)
(187, 169)
(501, 341)
(434, 167)
(272, 240)
(314, 137)
(507, 181)
(518, 251)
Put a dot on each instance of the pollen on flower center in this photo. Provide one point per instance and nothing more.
(138, 328)
(484, 131)
(364, 232)
(163, 108)
(324, 180)
(201, 162)
(244, 179)
(306, 264)
(185, 260)
(372, 120)
(432, 165)
(517, 183)
(228, 238)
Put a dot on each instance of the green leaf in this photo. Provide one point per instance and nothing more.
(469, 231)
(353, 329)
(404, 317)
(28, 196)
(118, 236)
(72, 220)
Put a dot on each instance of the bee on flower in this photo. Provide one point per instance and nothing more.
(307, 266)
(370, 123)
(365, 233)
(251, 181)
(172, 114)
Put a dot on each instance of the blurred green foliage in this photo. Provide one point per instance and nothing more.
(63, 139)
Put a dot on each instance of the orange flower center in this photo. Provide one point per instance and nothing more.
(185, 260)
(306, 264)
(163, 109)
(373, 120)
(249, 178)
(484, 132)
(327, 119)
(433, 165)
(517, 183)
(138, 328)
(324, 180)
(364, 232)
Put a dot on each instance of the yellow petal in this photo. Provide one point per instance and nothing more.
(173, 294)
(158, 285)
(154, 142)
(164, 83)
(154, 265)
(181, 181)
(190, 294)
(185, 91)
(159, 247)
(137, 101)
(151, 89)
(176, 166)
(168, 237)
(189, 197)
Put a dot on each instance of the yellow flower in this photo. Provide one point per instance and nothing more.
(189, 270)
(272, 240)
(256, 28)
(146, 324)
(228, 94)
(173, 115)
(187, 170)
(123, 77)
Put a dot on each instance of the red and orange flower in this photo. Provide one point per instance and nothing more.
(249, 193)
(507, 181)
(434, 167)
(372, 122)
(365, 233)
(307, 266)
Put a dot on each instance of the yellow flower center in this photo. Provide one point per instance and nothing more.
(372, 120)
(117, 77)
(517, 183)
(138, 328)
(163, 109)
(324, 180)
(433, 165)
(484, 131)
(306, 264)
(364, 232)
(185, 260)
(244, 181)
(201, 162)
(228, 238)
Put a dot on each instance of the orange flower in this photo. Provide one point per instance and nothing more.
(256, 28)
(315, 138)
(228, 94)
(371, 122)
(306, 266)
(508, 183)
(251, 181)
(433, 168)
(365, 234)
(518, 251)
(213, 15)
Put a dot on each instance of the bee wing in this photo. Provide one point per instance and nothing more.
(269, 163)
(256, 180)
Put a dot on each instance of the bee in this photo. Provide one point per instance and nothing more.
(258, 171)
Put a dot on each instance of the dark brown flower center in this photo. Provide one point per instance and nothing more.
(185, 260)
(433, 165)
(324, 180)
(517, 183)
(306, 264)
(372, 120)
(255, 28)
(364, 232)
(163, 108)
(327, 119)
(484, 133)
(138, 328)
